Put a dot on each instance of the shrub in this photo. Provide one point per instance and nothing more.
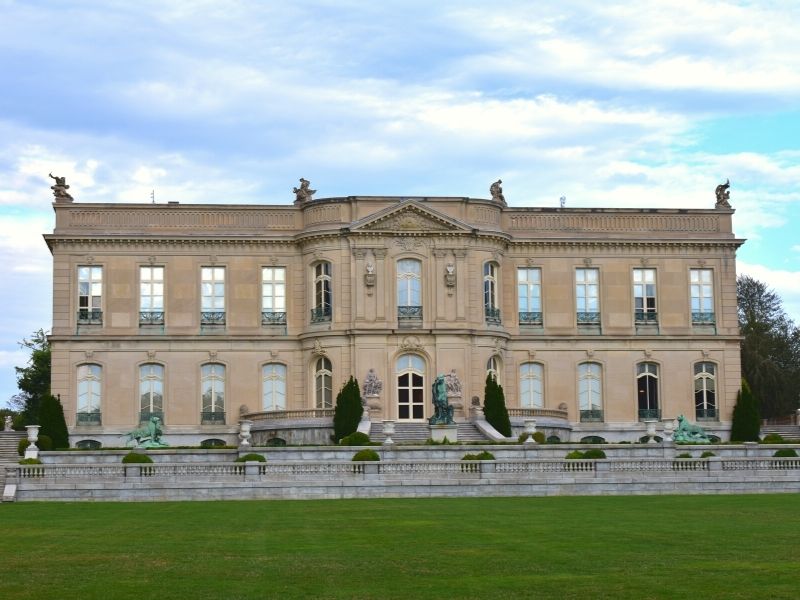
(22, 446)
(212, 443)
(707, 454)
(785, 453)
(276, 442)
(746, 418)
(251, 457)
(51, 419)
(355, 439)
(444, 442)
(485, 455)
(43, 443)
(684, 455)
(348, 410)
(30, 461)
(773, 438)
(575, 454)
(494, 407)
(136, 458)
(593, 439)
(538, 437)
(594, 453)
(365, 454)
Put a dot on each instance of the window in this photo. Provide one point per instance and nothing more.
(273, 385)
(151, 392)
(273, 296)
(702, 296)
(529, 295)
(212, 296)
(531, 376)
(492, 368)
(644, 296)
(409, 289)
(587, 296)
(647, 390)
(490, 303)
(323, 380)
(410, 387)
(151, 295)
(705, 391)
(90, 295)
(89, 394)
(212, 389)
(322, 293)
(590, 391)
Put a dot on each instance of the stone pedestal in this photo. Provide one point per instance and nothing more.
(388, 432)
(32, 451)
(651, 430)
(439, 432)
(244, 433)
(530, 429)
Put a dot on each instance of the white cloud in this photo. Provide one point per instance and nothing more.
(785, 283)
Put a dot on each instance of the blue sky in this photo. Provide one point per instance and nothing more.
(646, 104)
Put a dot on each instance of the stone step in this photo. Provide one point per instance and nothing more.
(791, 432)
(420, 432)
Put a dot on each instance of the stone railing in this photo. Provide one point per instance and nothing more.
(533, 413)
(305, 413)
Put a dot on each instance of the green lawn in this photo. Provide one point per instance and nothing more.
(571, 547)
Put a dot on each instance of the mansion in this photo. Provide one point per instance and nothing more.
(592, 319)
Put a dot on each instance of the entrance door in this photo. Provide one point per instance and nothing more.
(410, 388)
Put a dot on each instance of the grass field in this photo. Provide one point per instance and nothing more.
(571, 547)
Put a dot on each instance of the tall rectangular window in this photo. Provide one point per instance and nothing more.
(273, 296)
(212, 389)
(151, 295)
(89, 394)
(90, 295)
(151, 392)
(529, 295)
(409, 290)
(644, 296)
(212, 296)
(490, 300)
(587, 296)
(702, 296)
(322, 310)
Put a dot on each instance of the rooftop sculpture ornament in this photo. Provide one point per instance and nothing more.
(496, 190)
(148, 436)
(723, 195)
(60, 189)
(372, 385)
(303, 193)
(687, 432)
(443, 414)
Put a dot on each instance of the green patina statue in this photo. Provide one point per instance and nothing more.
(148, 436)
(687, 432)
(443, 412)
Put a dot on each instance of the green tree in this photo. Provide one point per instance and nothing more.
(746, 420)
(770, 348)
(33, 380)
(348, 410)
(494, 406)
(51, 419)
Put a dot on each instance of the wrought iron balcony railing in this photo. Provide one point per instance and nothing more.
(530, 318)
(588, 318)
(706, 414)
(270, 317)
(646, 318)
(492, 315)
(592, 416)
(212, 317)
(212, 418)
(90, 316)
(703, 318)
(151, 317)
(409, 313)
(146, 415)
(321, 314)
(88, 418)
(649, 413)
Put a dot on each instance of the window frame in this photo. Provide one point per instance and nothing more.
(529, 300)
(151, 315)
(273, 315)
(533, 373)
(276, 381)
(213, 312)
(584, 316)
(590, 386)
(323, 373)
(645, 295)
(92, 312)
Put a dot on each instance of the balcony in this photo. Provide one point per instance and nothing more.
(588, 318)
(646, 318)
(212, 418)
(83, 419)
(592, 416)
(646, 414)
(151, 317)
(146, 415)
(706, 414)
(321, 314)
(270, 317)
(409, 316)
(530, 319)
(90, 316)
(703, 318)
(213, 318)
(492, 315)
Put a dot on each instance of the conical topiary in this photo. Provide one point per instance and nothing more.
(51, 420)
(746, 418)
(494, 407)
(348, 410)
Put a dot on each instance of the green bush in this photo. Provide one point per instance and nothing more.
(494, 407)
(30, 461)
(746, 417)
(136, 458)
(485, 455)
(594, 453)
(355, 439)
(43, 443)
(51, 419)
(684, 455)
(444, 442)
(785, 453)
(365, 454)
(348, 410)
(251, 457)
(707, 454)
(773, 438)
(575, 454)
(22, 446)
(538, 437)
(276, 442)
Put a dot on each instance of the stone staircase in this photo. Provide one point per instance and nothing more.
(787, 432)
(9, 440)
(410, 433)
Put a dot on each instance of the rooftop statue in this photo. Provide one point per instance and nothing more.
(687, 432)
(723, 195)
(443, 414)
(148, 436)
(496, 190)
(303, 193)
(60, 189)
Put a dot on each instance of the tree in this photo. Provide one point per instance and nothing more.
(348, 410)
(33, 380)
(770, 348)
(494, 406)
(51, 419)
(746, 420)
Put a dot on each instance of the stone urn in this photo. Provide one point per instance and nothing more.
(669, 427)
(651, 430)
(388, 431)
(244, 432)
(32, 451)
(530, 429)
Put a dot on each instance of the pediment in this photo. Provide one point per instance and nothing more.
(409, 216)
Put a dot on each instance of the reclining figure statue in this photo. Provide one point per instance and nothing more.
(148, 436)
(687, 432)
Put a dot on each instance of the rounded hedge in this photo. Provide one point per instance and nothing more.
(575, 454)
(594, 453)
(355, 439)
(30, 461)
(136, 458)
(707, 454)
(773, 438)
(485, 455)
(252, 457)
(538, 437)
(365, 454)
(785, 453)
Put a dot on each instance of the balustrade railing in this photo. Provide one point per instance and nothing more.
(214, 318)
(649, 413)
(305, 413)
(492, 315)
(588, 318)
(646, 318)
(88, 418)
(90, 316)
(146, 415)
(409, 313)
(706, 414)
(212, 417)
(271, 317)
(592, 416)
(151, 317)
(703, 318)
(537, 412)
(321, 314)
(530, 318)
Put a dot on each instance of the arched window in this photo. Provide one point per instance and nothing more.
(212, 382)
(89, 394)
(323, 380)
(531, 380)
(590, 391)
(410, 387)
(705, 391)
(273, 386)
(409, 289)
(151, 392)
(322, 293)
(493, 368)
(490, 302)
(647, 390)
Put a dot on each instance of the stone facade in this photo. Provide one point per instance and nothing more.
(369, 282)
